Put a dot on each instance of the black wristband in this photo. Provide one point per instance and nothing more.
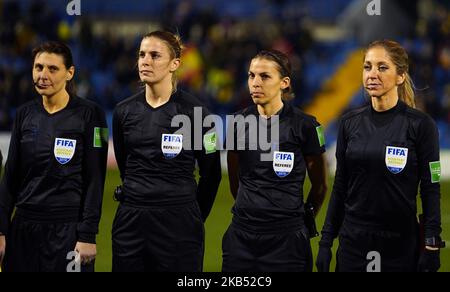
(435, 242)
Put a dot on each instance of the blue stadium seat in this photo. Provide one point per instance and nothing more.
(108, 8)
(444, 134)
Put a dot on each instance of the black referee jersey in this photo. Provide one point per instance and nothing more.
(56, 166)
(271, 192)
(156, 166)
(382, 158)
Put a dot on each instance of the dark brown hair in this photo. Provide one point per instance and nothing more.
(60, 49)
(284, 68)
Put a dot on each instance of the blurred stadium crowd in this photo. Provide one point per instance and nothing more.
(221, 36)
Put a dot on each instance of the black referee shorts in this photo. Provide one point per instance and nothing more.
(169, 239)
(33, 246)
(250, 251)
(398, 252)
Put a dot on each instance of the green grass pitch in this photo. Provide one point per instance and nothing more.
(219, 220)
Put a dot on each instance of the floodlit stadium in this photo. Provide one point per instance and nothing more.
(324, 40)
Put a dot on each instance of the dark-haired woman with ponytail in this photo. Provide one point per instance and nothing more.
(54, 174)
(385, 152)
(269, 231)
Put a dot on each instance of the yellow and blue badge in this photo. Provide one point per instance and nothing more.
(396, 158)
(171, 145)
(283, 163)
(64, 150)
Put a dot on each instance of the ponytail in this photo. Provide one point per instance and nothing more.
(406, 92)
(288, 94)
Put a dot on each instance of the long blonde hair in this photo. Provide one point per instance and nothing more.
(400, 58)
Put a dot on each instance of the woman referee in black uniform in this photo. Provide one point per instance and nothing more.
(268, 231)
(385, 151)
(54, 174)
(159, 223)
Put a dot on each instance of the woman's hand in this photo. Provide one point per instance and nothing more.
(87, 252)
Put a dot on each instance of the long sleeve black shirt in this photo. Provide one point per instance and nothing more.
(271, 192)
(56, 165)
(151, 177)
(382, 159)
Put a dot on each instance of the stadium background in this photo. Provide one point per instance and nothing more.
(324, 39)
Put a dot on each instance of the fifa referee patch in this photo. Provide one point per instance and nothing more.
(100, 137)
(396, 159)
(320, 135)
(171, 145)
(283, 163)
(64, 150)
(435, 170)
(209, 142)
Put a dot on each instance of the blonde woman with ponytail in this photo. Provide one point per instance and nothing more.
(385, 152)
